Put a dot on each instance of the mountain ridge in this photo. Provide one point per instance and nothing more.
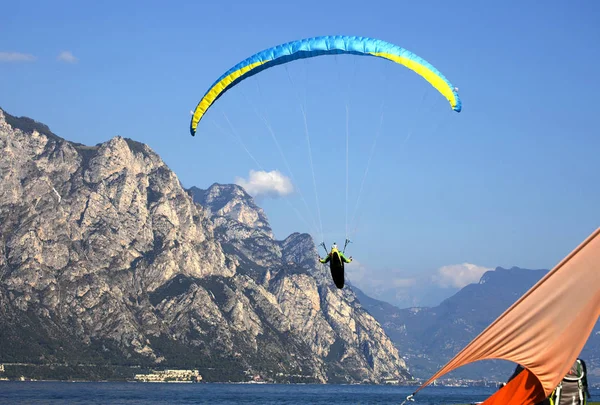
(431, 336)
(106, 259)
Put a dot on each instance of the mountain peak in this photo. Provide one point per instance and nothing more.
(299, 248)
(233, 202)
(503, 275)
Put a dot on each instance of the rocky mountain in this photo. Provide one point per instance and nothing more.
(108, 267)
(432, 336)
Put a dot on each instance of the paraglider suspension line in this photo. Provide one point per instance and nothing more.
(346, 244)
(347, 177)
(324, 247)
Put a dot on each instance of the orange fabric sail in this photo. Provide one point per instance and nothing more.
(544, 331)
(523, 389)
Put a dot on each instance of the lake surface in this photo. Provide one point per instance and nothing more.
(40, 392)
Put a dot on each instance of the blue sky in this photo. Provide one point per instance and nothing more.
(510, 181)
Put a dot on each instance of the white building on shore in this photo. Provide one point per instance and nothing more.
(170, 376)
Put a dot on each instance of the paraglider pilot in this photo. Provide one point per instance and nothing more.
(336, 261)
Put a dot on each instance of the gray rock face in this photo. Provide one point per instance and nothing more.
(103, 254)
(330, 321)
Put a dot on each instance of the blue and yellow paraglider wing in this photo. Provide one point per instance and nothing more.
(326, 45)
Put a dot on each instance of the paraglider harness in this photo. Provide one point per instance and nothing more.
(336, 264)
(573, 384)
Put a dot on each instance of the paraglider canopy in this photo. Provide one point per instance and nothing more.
(324, 45)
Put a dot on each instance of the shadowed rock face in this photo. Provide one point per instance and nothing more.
(104, 257)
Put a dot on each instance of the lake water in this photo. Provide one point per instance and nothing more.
(38, 392)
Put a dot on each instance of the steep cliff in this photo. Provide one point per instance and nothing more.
(330, 321)
(106, 260)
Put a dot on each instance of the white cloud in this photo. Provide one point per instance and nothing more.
(360, 273)
(66, 56)
(408, 289)
(378, 282)
(459, 275)
(16, 57)
(261, 183)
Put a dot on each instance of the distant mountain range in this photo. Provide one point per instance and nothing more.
(429, 337)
